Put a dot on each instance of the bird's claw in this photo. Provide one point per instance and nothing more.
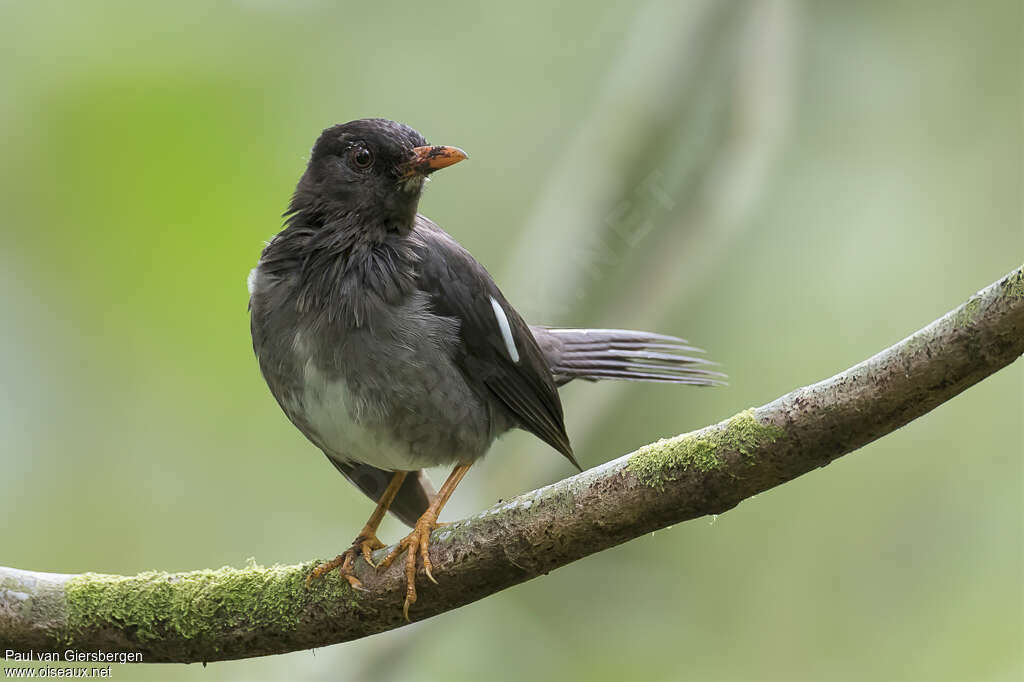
(416, 543)
(363, 545)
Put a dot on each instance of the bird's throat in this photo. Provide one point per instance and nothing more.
(348, 271)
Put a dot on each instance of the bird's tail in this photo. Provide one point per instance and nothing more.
(594, 354)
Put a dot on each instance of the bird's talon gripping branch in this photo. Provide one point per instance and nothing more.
(367, 546)
(323, 569)
(416, 543)
(345, 561)
(365, 542)
(427, 567)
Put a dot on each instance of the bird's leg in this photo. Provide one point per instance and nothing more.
(365, 542)
(418, 541)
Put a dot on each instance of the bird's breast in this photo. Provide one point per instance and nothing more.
(386, 393)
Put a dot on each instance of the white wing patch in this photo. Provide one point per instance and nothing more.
(506, 330)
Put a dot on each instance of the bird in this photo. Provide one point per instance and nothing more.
(392, 349)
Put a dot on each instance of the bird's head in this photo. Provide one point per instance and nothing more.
(373, 169)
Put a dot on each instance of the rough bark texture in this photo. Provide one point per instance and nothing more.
(235, 613)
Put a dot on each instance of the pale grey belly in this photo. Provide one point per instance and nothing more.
(385, 394)
(347, 431)
(417, 433)
(392, 406)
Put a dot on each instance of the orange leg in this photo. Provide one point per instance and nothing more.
(365, 542)
(418, 541)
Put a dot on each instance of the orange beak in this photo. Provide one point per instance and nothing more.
(426, 160)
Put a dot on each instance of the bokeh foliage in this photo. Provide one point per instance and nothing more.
(791, 185)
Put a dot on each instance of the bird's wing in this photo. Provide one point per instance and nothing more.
(496, 347)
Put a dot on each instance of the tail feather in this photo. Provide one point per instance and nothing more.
(594, 354)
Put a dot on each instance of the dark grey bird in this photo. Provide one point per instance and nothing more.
(392, 349)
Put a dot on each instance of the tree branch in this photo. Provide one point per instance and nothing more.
(236, 613)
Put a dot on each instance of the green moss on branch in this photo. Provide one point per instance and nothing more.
(198, 606)
(667, 459)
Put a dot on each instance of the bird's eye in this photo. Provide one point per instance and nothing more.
(362, 158)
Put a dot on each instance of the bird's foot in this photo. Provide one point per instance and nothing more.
(416, 543)
(363, 545)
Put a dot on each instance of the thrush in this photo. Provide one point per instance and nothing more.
(392, 349)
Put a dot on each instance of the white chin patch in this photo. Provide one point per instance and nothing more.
(413, 184)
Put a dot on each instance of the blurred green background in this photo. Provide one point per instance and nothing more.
(791, 185)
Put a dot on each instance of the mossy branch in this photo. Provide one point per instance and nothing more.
(253, 611)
